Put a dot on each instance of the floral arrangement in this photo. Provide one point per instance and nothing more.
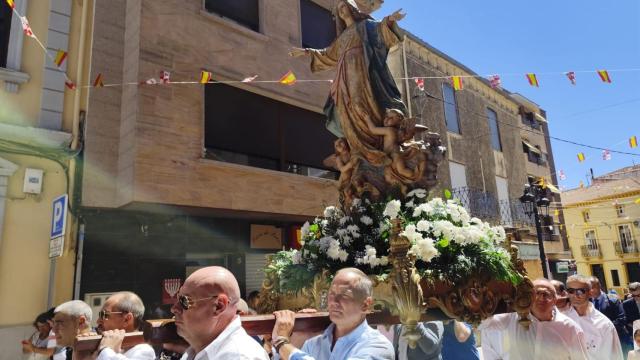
(448, 244)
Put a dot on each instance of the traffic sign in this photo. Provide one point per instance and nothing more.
(56, 247)
(59, 216)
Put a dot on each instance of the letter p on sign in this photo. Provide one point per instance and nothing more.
(59, 216)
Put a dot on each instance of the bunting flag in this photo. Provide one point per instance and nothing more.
(495, 81)
(420, 83)
(205, 77)
(70, 84)
(98, 81)
(606, 155)
(456, 82)
(604, 76)
(288, 79)
(533, 80)
(581, 157)
(556, 212)
(562, 175)
(249, 79)
(165, 77)
(11, 4)
(633, 141)
(637, 201)
(60, 57)
(151, 81)
(572, 77)
(25, 27)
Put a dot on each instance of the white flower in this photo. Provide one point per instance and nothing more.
(325, 242)
(411, 233)
(423, 225)
(426, 208)
(324, 222)
(355, 203)
(443, 228)
(343, 255)
(392, 209)
(344, 219)
(498, 233)
(424, 249)
(330, 211)
(366, 220)
(304, 230)
(384, 261)
(333, 252)
(354, 230)
(419, 193)
(410, 204)
(296, 257)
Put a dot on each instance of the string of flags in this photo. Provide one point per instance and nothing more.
(606, 153)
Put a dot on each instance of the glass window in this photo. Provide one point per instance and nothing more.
(590, 239)
(586, 216)
(624, 231)
(244, 12)
(5, 29)
(318, 27)
(615, 277)
(450, 108)
(620, 210)
(495, 130)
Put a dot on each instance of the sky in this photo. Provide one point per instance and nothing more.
(549, 36)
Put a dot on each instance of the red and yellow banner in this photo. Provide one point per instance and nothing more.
(533, 80)
(60, 58)
(98, 81)
(456, 82)
(604, 76)
(581, 157)
(11, 4)
(288, 79)
(205, 77)
(633, 141)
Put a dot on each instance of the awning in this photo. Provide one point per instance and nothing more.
(553, 188)
(531, 147)
(539, 117)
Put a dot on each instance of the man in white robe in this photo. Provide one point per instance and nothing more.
(550, 336)
(601, 338)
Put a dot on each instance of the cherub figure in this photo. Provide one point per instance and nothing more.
(342, 161)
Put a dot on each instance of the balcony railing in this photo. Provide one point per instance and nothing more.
(590, 251)
(485, 206)
(626, 247)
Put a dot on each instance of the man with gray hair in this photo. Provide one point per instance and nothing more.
(349, 336)
(71, 319)
(120, 314)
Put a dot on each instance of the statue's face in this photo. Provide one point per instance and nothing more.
(344, 12)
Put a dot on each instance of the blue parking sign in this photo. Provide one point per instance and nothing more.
(59, 216)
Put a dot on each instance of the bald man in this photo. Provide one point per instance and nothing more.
(551, 335)
(206, 317)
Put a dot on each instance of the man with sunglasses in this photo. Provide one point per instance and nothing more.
(120, 314)
(206, 317)
(551, 334)
(600, 335)
(349, 336)
(632, 306)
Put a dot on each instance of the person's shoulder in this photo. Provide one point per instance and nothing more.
(143, 348)
(375, 337)
(567, 321)
(628, 302)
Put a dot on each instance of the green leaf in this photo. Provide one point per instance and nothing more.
(313, 228)
(447, 194)
(443, 243)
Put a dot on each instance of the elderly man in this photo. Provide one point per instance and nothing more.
(349, 336)
(71, 319)
(632, 306)
(120, 314)
(610, 308)
(562, 297)
(551, 334)
(601, 338)
(206, 317)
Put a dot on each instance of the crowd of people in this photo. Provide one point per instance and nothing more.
(572, 320)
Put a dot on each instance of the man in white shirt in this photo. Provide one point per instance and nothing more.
(71, 319)
(550, 336)
(120, 314)
(206, 318)
(562, 297)
(601, 338)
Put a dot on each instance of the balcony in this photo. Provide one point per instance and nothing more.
(590, 251)
(487, 207)
(626, 247)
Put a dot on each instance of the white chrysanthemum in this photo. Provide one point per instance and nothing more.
(333, 252)
(366, 220)
(343, 255)
(419, 193)
(498, 233)
(304, 230)
(325, 242)
(384, 260)
(330, 211)
(423, 225)
(426, 208)
(296, 257)
(392, 209)
(355, 203)
(411, 233)
(443, 228)
(344, 219)
(410, 204)
(354, 230)
(424, 249)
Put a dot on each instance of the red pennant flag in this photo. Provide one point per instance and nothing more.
(604, 76)
(572, 77)
(25, 27)
(533, 80)
(70, 84)
(98, 82)
(165, 77)
(288, 79)
(495, 81)
(456, 82)
(60, 57)
(420, 83)
(11, 4)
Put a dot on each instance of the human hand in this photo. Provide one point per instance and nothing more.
(112, 339)
(27, 347)
(285, 320)
(297, 52)
(397, 16)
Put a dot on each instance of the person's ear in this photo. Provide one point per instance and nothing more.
(128, 317)
(81, 320)
(366, 304)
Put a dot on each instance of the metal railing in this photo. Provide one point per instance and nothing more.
(589, 251)
(626, 247)
(486, 206)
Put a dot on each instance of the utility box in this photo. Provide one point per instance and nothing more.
(32, 181)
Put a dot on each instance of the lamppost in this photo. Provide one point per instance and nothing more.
(533, 200)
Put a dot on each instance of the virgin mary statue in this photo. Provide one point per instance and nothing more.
(363, 86)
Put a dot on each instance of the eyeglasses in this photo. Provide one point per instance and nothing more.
(635, 295)
(187, 302)
(104, 314)
(544, 295)
(578, 292)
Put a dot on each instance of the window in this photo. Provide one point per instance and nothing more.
(244, 12)
(279, 137)
(495, 131)
(318, 27)
(458, 174)
(534, 153)
(586, 216)
(626, 239)
(450, 108)
(529, 119)
(590, 239)
(5, 29)
(615, 277)
(620, 210)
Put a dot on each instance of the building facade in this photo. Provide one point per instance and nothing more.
(603, 224)
(39, 151)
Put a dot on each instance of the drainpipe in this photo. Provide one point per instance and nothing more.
(79, 252)
(406, 74)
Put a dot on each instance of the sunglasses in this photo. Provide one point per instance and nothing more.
(635, 295)
(187, 302)
(578, 292)
(104, 314)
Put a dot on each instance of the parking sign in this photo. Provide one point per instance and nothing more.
(59, 216)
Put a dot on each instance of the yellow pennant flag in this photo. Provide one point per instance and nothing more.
(60, 57)
(556, 212)
(288, 79)
(580, 157)
(633, 141)
(456, 82)
(533, 80)
(205, 77)
(11, 4)
(637, 201)
(604, 76)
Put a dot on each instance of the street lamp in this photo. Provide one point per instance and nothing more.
(534, 200)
